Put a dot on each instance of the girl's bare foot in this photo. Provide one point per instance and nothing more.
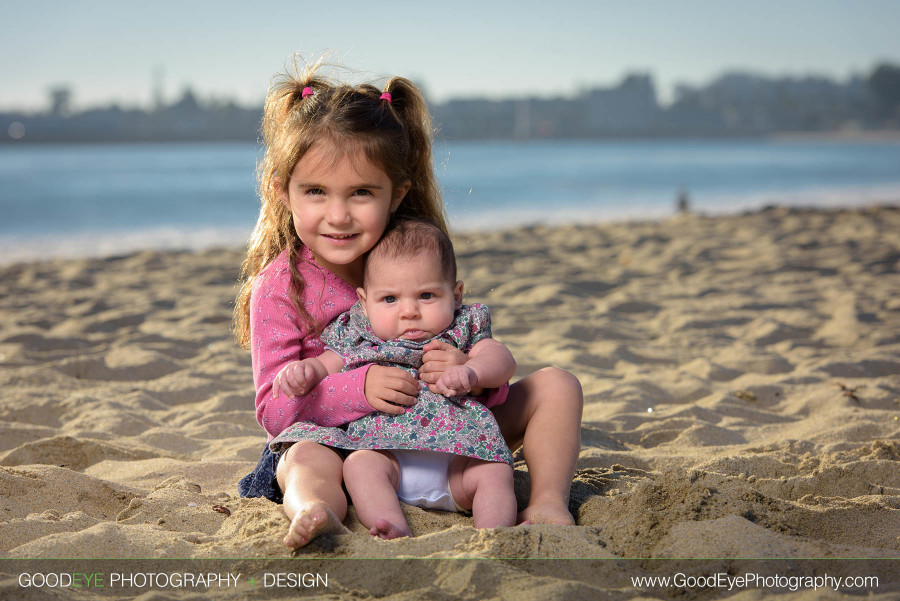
(546, 514)
(386, 530)
(312, 520)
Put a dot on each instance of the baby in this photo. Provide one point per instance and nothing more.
(446, 451)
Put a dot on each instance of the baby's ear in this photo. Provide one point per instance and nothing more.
(361, 295)
(458, 293)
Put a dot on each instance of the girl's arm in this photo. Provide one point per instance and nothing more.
(278, 338)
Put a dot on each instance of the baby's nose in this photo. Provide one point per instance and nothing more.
(409, 309)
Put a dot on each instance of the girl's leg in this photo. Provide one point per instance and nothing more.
(543, 415)
(309, 474)
(485, 487)
(372, 479)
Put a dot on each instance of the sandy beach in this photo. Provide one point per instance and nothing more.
(742, 400)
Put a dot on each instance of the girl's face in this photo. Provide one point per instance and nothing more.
(340, 207)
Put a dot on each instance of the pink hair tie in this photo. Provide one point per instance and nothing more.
(307, 91)
(386, 96)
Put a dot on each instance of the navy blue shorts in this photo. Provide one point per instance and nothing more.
(261, 482)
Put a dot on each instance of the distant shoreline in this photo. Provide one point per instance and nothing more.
(734, 104)
(885, 135)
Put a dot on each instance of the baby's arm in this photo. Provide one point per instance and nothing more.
(299, 377)
(489, 365)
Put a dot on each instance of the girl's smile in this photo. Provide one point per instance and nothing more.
(339, 239)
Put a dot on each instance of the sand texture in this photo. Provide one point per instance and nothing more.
(742, 395)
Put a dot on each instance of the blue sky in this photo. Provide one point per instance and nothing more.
(109, 50)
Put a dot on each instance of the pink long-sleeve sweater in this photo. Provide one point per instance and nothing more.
(278, 336)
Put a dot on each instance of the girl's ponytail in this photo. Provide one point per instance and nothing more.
(286, 139)
(424, 197)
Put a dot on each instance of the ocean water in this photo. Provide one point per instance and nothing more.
(74, 200)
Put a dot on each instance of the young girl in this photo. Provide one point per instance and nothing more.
(339, 161)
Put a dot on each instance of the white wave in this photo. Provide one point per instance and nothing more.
(16, 248)
(605, 210)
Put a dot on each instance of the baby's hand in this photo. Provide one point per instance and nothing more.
(295, 379)
(456, 380)
(439, 357)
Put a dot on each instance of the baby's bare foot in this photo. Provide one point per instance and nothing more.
(386, 530)
(546, 514)
(311, 521)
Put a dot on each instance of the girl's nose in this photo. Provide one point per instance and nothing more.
(337, 213)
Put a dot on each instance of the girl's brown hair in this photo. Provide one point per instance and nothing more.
(396, 135)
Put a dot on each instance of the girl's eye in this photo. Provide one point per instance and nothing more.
(362, 192)
(314, 191)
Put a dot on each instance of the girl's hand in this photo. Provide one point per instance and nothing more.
(295, 379)
(439, 357)
(390, 389)
(456, 380)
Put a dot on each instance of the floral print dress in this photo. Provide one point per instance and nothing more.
(459, 425)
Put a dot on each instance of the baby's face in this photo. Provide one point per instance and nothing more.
(409, 298)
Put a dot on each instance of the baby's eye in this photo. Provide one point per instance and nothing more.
(426, 295)
(390, 299)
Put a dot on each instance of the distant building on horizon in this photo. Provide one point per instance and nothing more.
(629, 108)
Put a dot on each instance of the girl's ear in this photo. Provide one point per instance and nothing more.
(399, 194)
(282, 193)
(458, 293)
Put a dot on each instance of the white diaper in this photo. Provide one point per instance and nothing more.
(425, 479)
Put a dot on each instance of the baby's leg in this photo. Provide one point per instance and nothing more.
(485, 487)
(372, 479)
(310, 476)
